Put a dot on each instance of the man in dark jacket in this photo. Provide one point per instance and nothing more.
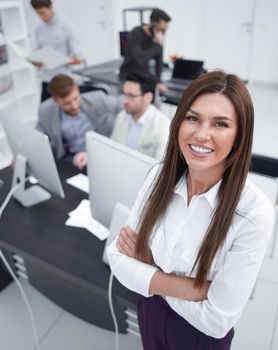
(146, 43)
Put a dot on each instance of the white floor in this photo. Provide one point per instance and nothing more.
(59, 330)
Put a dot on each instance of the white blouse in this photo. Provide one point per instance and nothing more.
(175, 244)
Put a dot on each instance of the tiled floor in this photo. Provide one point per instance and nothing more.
(59, 330)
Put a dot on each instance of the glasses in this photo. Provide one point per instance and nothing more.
(131, 96)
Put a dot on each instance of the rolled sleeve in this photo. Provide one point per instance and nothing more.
(133, 274)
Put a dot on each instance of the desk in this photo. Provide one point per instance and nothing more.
(108, 72)
(64, 263)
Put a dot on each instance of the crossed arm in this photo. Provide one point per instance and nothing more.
(162, 283)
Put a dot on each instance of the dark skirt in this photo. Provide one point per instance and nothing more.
(162, 328)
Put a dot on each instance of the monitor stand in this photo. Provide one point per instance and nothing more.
(26, 196)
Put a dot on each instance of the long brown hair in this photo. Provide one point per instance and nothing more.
(174, 166)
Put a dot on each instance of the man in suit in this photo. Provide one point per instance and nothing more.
(141, 125)
(68, 115)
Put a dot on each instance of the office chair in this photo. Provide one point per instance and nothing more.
(123, 42)
(266, 169)
(264, 165)
(88, 86)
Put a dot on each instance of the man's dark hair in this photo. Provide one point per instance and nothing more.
(37, 4)
(158, 15)
(61, 86)
(147, 82)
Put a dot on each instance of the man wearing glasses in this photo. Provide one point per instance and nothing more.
(141, 125)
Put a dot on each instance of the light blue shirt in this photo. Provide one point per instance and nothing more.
(73, 131)
(60, 36)
(134, 130)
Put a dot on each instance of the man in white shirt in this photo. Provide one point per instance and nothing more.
(141, 125)
(54, 33)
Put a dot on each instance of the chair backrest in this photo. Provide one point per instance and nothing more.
(264, 172)
(88, 86)
(123, 42)
(264, 165)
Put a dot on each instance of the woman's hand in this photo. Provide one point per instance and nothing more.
(126, 244)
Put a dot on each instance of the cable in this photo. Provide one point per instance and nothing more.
(112, 311)
(25, 299)
(9, 195)
(29, 309)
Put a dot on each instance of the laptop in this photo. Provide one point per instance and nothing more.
(183, 73)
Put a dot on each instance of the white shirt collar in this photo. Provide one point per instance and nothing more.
(143, 117)
(210, 195)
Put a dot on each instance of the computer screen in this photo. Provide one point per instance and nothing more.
(187, 69)
(116, 173)
(33, 154)
(123, 42)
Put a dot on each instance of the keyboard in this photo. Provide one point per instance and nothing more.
(177, 84)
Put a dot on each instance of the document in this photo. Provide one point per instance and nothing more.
(81, 217)
(79, 181)
(49, 57)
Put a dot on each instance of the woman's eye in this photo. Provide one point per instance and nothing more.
(191, 118)
(221, 125)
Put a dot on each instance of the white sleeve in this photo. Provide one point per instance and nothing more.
(132, 273)
(73, 43)
(233, 283)
(162, 137)
(34, 44)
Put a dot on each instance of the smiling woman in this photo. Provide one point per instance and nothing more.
(206, 137)
(198, 231)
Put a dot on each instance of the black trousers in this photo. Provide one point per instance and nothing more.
(163, 329)
(45, 94)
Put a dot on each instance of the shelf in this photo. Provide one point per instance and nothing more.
(16, 38)
(22, 98)
(21, 66)
(7, 99)
(26, 94)
(5, 69)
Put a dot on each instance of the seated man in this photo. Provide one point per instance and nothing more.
(141, 125)
(67, 116)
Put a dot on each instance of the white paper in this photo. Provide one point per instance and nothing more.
(81, 217)
(19, 50)
(79, 181)
(49, 57)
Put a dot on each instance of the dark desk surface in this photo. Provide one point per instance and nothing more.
(39, 235)
(108, 72)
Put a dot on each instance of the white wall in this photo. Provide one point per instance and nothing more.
(185, 27)
(233, 35)
(264, 62)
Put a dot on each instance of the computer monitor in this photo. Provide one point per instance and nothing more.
(123, 42)
(187, 69)
(116, 173)
(33, 155)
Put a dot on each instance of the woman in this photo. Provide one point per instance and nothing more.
(198, 231)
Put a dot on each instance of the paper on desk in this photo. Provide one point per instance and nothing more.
(81, 217)
(79, 181)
